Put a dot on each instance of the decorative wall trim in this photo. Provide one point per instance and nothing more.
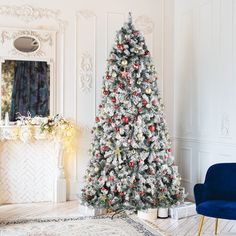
(28, 13)
(144, 24)
(207, 155)
(204, 141)
(85, 83)
(86, 13)
(181, 158)
(85, 59)
(225, 126)
(86, 72)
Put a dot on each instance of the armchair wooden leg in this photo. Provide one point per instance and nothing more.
(216, 226)
(200, 226)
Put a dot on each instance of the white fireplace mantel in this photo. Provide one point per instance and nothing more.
(31, 166)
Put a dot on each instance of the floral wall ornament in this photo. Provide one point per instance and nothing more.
(29, 13)
(225, 126)
(5, 36)
(86, 73)
(86, 13)
(144, 24)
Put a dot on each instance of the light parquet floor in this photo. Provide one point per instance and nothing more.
(169, 227)
(189, 226)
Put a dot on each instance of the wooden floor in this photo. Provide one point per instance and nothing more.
(189, 226)
(183, 227)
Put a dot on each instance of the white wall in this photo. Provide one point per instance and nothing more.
(83, 44)
(204, 86)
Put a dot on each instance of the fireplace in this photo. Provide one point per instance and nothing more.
(30, 170)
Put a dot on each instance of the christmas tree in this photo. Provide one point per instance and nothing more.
(131, 165)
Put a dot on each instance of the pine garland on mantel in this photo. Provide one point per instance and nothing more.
(28, 128)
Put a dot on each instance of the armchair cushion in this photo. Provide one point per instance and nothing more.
(218, 209)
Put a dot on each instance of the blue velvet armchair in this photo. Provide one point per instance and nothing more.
(217, 196)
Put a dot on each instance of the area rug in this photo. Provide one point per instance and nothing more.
(78, 226)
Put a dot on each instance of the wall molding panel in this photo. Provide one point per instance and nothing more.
(212, 135)
(204, 161)
(185, 164)
(85, 64)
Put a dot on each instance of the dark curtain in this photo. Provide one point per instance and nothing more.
(30, 92)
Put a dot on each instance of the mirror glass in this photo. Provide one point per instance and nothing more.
(25, 88)
(26, 44)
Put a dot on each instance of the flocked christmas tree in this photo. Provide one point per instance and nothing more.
(131, 165)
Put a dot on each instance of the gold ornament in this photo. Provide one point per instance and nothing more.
(139, 82)
(117, 152)
(136, 50)
(114, 74)
(148, 91)
(103, 198)
(152, 67)
(140, 136)
(148, 105)
(124, 62)
(161, 197)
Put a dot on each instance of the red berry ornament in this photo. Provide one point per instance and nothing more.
(125, 119)
(113, 99)
(97, 119)
(135, 66)
(144, 102)
(120, 46)
(141, 193)
(154, 102)
(105, 92)
(131, 164)
(116, 129)
(110, 178)
(152, 128)
(121, 85)
(104, 148)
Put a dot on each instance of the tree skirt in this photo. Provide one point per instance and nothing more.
(77, 226)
